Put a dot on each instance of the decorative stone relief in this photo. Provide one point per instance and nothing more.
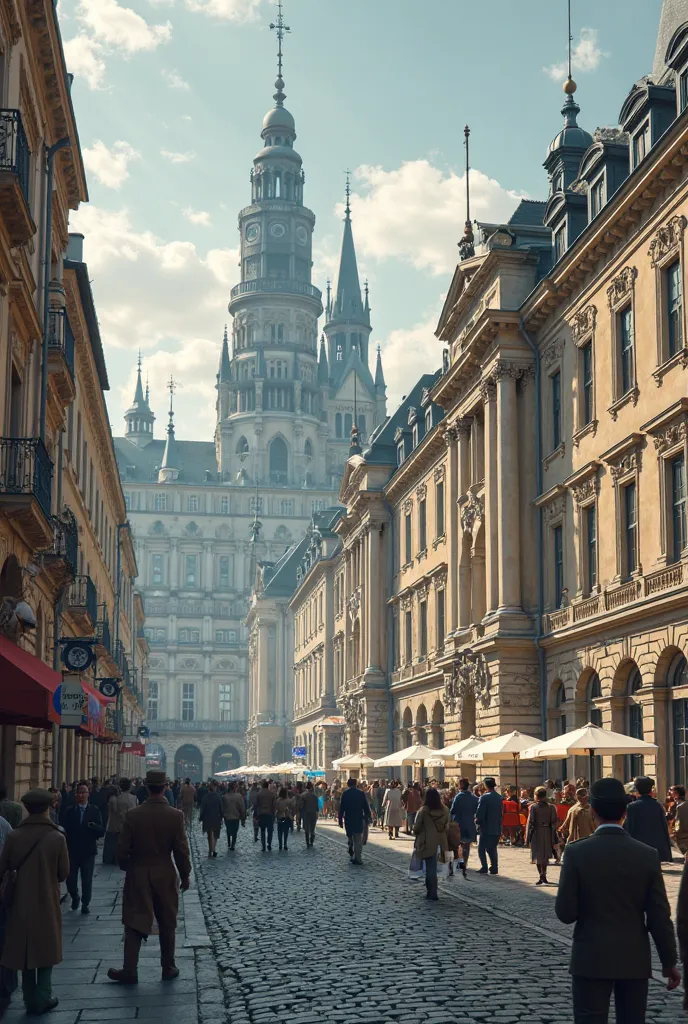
(440, 580)
(421, 492)
(585, 490)
(354, 604)
(629, 463)
(488, 390)
(583, 324)
(406, 506)
(439, 473)
(674, 434)
(471, 510)
(353, 710)
(553, 353)
(555, 508)
(667, 238)
(469, 675)
(621, 287)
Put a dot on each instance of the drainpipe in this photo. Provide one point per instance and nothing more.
(542, 662)
(58, 735)
(392, 640)
(50, 152)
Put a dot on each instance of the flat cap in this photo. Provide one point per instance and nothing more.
(37, 798)
(155, 777)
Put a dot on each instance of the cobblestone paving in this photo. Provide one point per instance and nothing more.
(306, 938)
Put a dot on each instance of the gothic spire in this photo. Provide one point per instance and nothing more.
(224, 373)
(379, 374)
(138, 418)
(138, 394)
(347, 301)
(323, 370)
(169, 459)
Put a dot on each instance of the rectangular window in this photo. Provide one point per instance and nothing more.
(558, 543)
(559, 244)
(224, 506)
(225, 636)
(440, 619)
(153, 693)
(674, 300)
(408, 622)
(626, 350)
(224, 571)
(641, 144)
(400, 453)
(678, 506)
(183, 636)
(226, 702)
(286, 507)
(596, 197)
(408, 557)
(683, 90)
(190, 571)
(318, 505)
(556, 409)
(192, 503)
(423, 627)
(591, 547)
(127, 501)
(586, 356)
(439, 509)
(188, 702)
(422, 525)
(158, 574)
(630, 500)
(160, 503)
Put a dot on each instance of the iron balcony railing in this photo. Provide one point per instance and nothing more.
(61, 337)
(25, 468)
(14, 149)
(103, 629)
(281, 285)
(196, 725)
(82, 594)
(66, 543)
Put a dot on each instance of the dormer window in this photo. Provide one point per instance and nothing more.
(428, 420)
(641, 144)
(400, 453)
(559, 243)
(558, 182)
(683, 89)
(415, 433)
(596, 197)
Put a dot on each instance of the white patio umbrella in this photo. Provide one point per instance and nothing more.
(455, 751)
(358, 760)
(418, 752)
(590, 739)
(510, 746)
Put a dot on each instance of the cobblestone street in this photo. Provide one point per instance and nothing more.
(307, 938)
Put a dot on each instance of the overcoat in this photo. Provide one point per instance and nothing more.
(33, 932)
(542, 831)
(430, 830)
(151, 835)
(394, 812)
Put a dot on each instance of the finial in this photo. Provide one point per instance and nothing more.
(140, 361)
(466, 245)
(281, 29)
(379, 350)
(348, 195)
(171, 387)
(569, 85)
(147, 391)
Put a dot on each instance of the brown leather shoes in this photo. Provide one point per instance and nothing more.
(123, 977)
(170, 973)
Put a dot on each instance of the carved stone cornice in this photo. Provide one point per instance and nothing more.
(422, 491)
(667, 239)
(464, 425)
(583, 324)
(471, 509)
(625, 457)
(553, 353)
(469, 676)
(440, 472)
(621, 288)
(672, 435)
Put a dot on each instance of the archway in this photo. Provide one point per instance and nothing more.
(242, 446)
(406, 725)
(677, 680)
(188, 763)
(156, 757)
(421, 724)
(11, 578)
(225, 758)
(438, 725)
(279, 461)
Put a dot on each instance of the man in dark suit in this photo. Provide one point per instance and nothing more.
(612, 887)
(488, 817)
(354, 815)
(646, 819)
(83, 825)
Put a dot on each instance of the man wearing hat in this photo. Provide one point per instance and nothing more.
(151, 835)
(612, 887)
(488, 818)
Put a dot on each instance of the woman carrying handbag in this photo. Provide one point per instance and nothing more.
(430, 830)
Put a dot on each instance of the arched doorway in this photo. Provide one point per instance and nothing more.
(438, 725)
(224, 759)
(595, 716)
(156, 758)
(188, 763)
(279, 461)
(634, 721)
(421, 724)
(677, 679)
(406, 726)
(558, 723)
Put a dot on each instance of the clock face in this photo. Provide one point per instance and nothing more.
(253, 232)
(301, 235)
(77, 657)
(277, 230)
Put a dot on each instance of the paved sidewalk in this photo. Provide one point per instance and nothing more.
(93, 943)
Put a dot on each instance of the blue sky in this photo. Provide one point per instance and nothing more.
(170, 95)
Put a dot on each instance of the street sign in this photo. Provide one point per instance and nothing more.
(78, 655)
(109, 688)
(298, 751)
(72, 700)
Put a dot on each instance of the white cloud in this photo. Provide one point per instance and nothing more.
(120, 27)
(227, 10)
(175, 80)
(109, 166)
(197, 216)
(585, 56)
(407, 354)
(164, 297)
(178, 158)
(84, 58)
(416, 213)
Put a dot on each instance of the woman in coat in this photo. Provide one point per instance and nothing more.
(211, 817)
(430, 830)
(118, 808)
(37, 851)
(394, 811)
(541, 835)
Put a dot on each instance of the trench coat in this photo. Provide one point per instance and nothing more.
(430, 830)
(542, 831)
(33, 932)
(151, 835)
(394, 812)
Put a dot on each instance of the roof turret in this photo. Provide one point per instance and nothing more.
(348, 304)
(169, 467)
(138, 418)
(224, 373)
(379, 374)
(323, 369)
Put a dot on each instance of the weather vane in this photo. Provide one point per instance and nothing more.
(281, 29)
(467, 243)
(348, 193)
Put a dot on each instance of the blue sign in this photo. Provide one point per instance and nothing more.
(298, 751)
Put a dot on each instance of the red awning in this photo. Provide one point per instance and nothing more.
(133, 747)
(27, 686)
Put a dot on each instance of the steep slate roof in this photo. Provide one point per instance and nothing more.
(140, 465)
(528, 211)
(383, 448)
(674, 14)
(279, 578)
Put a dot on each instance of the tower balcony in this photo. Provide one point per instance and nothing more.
(274, 286)
(26, 473)
(15, 165)
(61, 355)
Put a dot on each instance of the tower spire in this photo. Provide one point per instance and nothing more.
(466, 245)
(224, 373)
(169, 457)
(138, 394)
(281, 29)
(347, 208)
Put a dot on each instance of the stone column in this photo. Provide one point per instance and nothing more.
(174, 565)
(452, 530)
(347, 622)
(507, 490)
(208, 568)
(374, 624)
(464, 462)
(491, 515)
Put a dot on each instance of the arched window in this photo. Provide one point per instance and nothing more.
(348, 422)
(338, 425)
(595, 716)
(279, 461)
(362, 426)
(308, 449)
(634, 722)
(677, 679)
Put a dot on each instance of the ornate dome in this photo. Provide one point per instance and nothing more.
(279, 117)
(571, 136)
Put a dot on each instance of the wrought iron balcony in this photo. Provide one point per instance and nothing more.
(60, 562)
(61, 354)
(284, 286)
(196, 725)
(82, 603)
(15, 163)
(103, 642)
(26, 474)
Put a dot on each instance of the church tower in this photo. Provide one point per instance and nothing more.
(270, 402)
(139, 418)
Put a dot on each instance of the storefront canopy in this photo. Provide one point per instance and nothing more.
(27, 686)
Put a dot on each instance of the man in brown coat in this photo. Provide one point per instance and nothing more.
(187, 799)
(37, 851)
(151, 834)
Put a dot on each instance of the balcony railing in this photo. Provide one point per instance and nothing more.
(83, 599)
(196, 725)
(26, 469)
(269, 284)
(103, 630)
(60, 343)
(60, 561)
(15, 170)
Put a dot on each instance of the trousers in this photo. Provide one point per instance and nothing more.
(283, 828)
(309, 821)
(356, 847)
(132, 948)
(431, 876)
(592, 996)
(37, 988)
(487, 847)
(266, 823)
(232, 832)
(84, 865)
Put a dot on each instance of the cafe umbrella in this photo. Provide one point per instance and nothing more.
(508, 747)
(592, 740)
